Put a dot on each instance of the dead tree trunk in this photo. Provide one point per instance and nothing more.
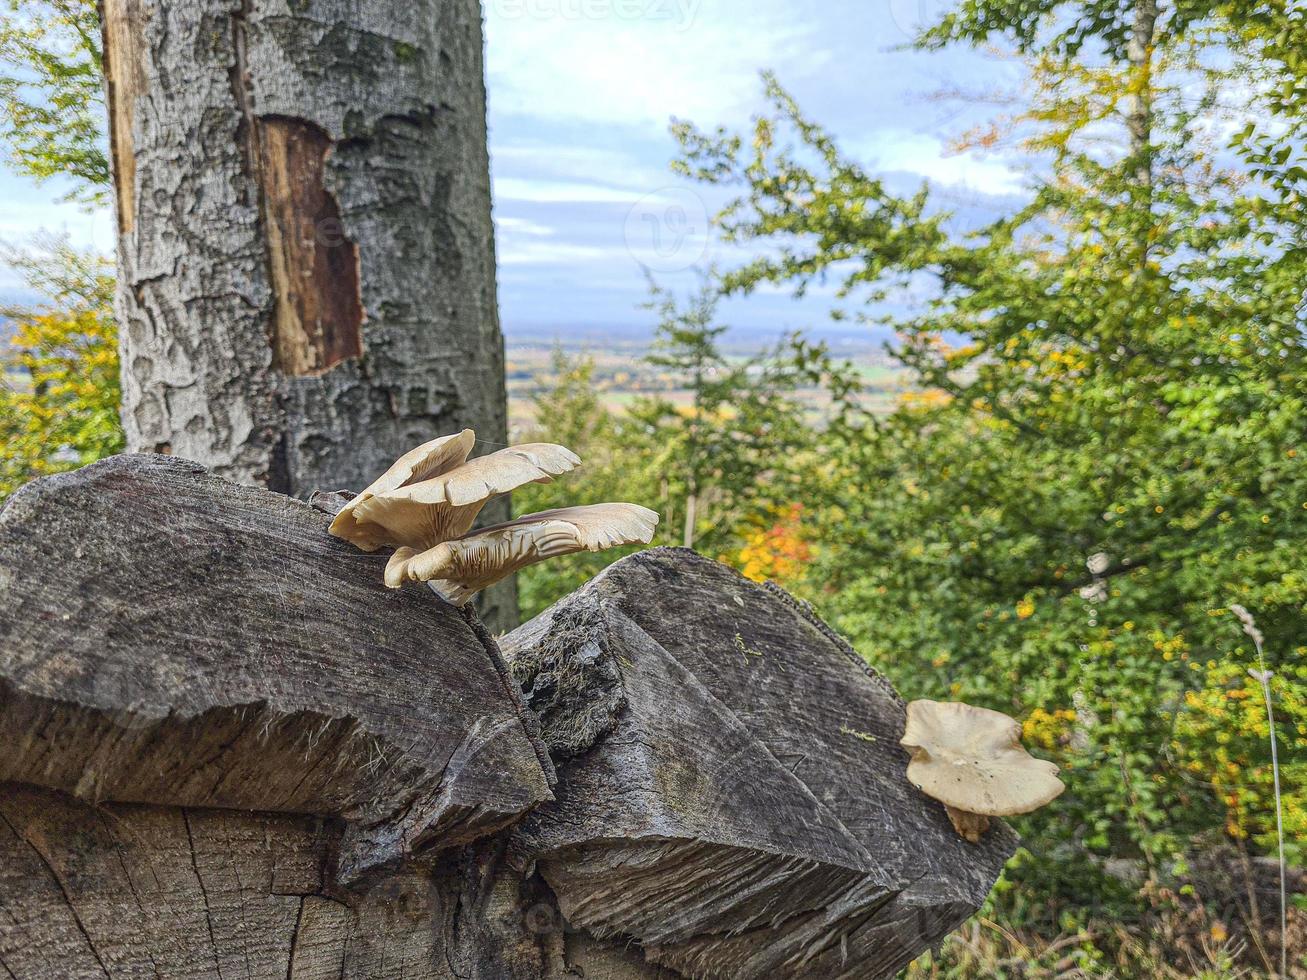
(306, 257)
(230, 751)
(306, 269)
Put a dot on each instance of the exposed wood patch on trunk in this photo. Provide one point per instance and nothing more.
(315, 268)
(124, 73)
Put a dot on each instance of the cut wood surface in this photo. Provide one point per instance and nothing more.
(123, 890)
(736, 799)
(230, 751)
(172, 638)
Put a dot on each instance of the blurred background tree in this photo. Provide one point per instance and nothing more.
(59, 388)
(1111, 454)
(59, 369)
(52, 94)
(725, 469)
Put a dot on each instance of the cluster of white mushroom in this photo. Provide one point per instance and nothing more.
(971, 760)
(424, 506)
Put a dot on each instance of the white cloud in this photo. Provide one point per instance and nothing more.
(515, 251)
(561, 192)
(575, 162)
(699, 58)
(928, 157)
(522, 226)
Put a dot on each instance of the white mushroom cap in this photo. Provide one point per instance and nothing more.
(459, 569)
(444, 501)
(427, 460)
(971, 760)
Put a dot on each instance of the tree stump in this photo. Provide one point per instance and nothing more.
(737, 800)
(232, 752)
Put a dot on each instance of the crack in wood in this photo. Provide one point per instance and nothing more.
(63, 890)
(295, 939)
(204, 891)
(127, 876)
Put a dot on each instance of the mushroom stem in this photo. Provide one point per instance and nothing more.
(970, 826)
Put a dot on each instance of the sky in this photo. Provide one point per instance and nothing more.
(581, 93)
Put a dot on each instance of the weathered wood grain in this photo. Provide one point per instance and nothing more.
(732, 793)
(230, 751)
(168, 637)
(124, 890)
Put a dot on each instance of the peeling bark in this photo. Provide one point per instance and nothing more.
(306, 256)
(124, 79)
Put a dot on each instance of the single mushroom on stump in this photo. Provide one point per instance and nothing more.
(971, 760)
(434, 493)
(422, 463)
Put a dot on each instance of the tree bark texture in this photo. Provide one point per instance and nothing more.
(230, 751)
(306, 254)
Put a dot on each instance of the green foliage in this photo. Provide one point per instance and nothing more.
(570, 413)
(720, 463)
(59, 397)
(1061, 27)
(741, 449)
(988, 946)
(59, 368)
(51, 93)
(1057, 526)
